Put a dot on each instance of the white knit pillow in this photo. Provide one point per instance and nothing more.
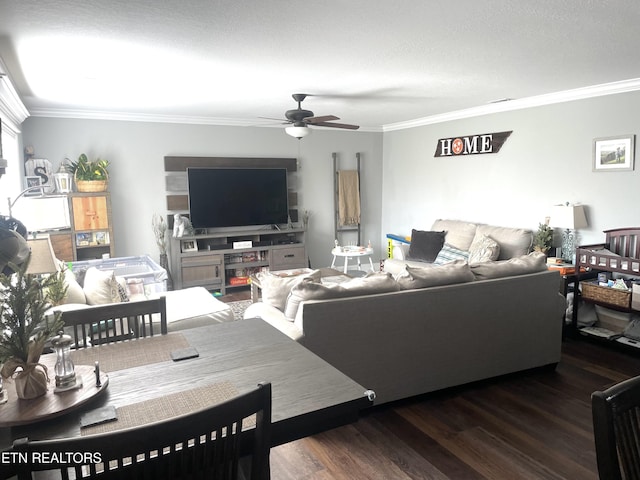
(101, 287)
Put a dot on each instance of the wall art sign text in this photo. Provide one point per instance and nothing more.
(471, 144)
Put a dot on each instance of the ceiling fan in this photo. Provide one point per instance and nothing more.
(300, 120)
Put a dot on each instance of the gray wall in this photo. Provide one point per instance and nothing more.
(136, 151)
(547, 160)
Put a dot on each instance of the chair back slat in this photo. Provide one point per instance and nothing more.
(116, 322)
(210, 443)
(616, 428)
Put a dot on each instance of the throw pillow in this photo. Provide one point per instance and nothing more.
(372, 283)
(483, 249)
(450, 254)
(534, 262)
(275, 289)
(425, 245)
(434, 275)
(101, 287)
(75, 293)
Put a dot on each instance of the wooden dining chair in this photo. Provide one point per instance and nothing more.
(116, 321)
(208, 444)
(616, 429)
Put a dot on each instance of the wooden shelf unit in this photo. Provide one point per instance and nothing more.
(215, 262)
(91, 226)
(90, 235)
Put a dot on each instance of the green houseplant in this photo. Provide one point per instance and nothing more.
(90, 176)
(26, 327)
(543, 238)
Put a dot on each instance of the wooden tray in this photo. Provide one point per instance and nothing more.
(50, 405)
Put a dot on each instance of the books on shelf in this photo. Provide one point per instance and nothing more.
(564, 268)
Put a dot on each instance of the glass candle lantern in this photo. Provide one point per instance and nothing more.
(64, 369)
(63, 182)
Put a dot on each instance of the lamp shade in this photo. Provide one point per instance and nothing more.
(298, 131)
(43, 259)
(568, 216)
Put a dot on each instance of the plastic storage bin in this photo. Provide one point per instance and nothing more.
(153, 276)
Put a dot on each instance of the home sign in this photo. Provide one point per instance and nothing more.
(471, 144)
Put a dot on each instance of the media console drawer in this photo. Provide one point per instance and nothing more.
(202, 270)
(288, 257)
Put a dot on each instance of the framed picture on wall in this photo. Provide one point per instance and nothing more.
(32, 182)
(613, 153)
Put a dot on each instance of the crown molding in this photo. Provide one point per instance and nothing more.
(502, 106)
(136, 117)
(519, 104)
(159, 118)
(12, 109)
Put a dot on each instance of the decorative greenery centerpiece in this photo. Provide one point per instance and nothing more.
(26, 328)
(90, 176)
(543, 239)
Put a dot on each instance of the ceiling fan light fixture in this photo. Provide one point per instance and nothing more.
(298, 131)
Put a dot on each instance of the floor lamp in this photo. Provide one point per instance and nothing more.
(570, 218)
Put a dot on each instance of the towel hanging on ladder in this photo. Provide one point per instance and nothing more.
(348, 197)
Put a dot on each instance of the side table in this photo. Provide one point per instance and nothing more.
(349, 253)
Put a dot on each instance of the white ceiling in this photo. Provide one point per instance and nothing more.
(379, 64)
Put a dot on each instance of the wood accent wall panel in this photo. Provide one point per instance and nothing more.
(176, 185)
(180, 164)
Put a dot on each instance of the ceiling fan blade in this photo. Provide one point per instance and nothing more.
(324, 118)
(283, 120)
(336, 125)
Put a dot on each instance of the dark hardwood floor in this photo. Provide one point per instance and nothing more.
(529, 426)
(535, 425)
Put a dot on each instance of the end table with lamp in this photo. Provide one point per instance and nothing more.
(570, 218)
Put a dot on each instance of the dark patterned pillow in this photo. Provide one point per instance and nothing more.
(124, 296)
(425, 245)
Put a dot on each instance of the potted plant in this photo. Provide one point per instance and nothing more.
(90, 176)
(543, 238)
(26, 328)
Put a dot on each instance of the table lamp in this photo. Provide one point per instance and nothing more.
(570, 218)
(43, 260)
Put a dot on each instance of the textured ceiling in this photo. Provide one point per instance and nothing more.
(370, 62)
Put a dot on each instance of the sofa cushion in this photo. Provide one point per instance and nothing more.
(534, 262)
(434, 275)
(459, 234)
(100, 287)
(450, 254)
(513, 242)
(483, 249)
(275, 289)
(375, 282)
(425, 245)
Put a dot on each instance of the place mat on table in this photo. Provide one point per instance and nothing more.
(130, 353)
(173, 405)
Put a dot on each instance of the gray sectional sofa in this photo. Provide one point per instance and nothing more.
(427, 327)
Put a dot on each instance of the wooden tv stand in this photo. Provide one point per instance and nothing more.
(211, 261)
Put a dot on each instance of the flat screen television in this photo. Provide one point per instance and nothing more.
(236, 197)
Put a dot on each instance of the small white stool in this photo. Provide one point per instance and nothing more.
(349, 253)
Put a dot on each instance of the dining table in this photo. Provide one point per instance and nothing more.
(141, 383)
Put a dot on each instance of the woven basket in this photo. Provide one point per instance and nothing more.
(91, 185)
(612, 296)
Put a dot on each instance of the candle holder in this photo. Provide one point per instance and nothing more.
(64, 368)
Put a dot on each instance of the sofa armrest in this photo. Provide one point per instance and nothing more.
(400, 251)
(275, 318)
